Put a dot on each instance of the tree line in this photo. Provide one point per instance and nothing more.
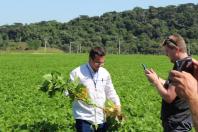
(129, 32)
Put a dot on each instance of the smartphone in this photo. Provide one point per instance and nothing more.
(144, 66)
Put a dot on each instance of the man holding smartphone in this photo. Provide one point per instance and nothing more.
(175, 112)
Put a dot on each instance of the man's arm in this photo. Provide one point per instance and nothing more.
(162, 80)
(187, 87)
(167, 94)
(195, 65)
(112, 95)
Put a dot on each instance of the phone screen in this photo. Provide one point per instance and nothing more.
(144, 66)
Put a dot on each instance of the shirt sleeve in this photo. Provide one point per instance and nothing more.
(110, 92)
(72, 75)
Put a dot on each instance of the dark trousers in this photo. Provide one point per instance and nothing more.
(85, 126)
(183, 126)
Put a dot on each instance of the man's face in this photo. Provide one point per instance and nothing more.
(171, 53)
(97, 62)
(171, 49)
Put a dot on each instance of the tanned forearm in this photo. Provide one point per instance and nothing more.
(162, 80)
(167, 94)
(160, 88)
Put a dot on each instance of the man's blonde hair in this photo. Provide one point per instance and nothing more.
(180, 42)
(175, 41)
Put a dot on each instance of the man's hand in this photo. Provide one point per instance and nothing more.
(195, 66)
(152, 76)
(186, 85)
(119, 114)
(118, 110)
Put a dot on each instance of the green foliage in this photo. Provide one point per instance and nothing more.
(1, 41)
(55, 82)
(34, 44)
(137, 29)
(25, 108)
(52, 83)
(115, 123)
(114, 120)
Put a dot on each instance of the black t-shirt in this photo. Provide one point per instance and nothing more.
(178, 110)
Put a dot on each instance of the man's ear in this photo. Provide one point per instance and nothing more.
(178, 49)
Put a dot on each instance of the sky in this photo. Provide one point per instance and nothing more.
(31, 11)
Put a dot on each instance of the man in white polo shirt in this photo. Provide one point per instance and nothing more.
(99, 84)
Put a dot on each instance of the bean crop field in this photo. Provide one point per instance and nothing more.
(25, 108)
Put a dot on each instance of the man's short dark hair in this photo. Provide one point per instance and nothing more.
(96, 51)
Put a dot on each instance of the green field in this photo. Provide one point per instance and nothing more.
(25, 108)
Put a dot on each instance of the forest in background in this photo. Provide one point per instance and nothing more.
(136, 31)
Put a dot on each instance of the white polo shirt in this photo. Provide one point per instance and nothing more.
(100, 88)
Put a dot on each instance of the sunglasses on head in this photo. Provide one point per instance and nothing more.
(169, 41)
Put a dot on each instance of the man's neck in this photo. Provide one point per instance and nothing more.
(92, 68)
